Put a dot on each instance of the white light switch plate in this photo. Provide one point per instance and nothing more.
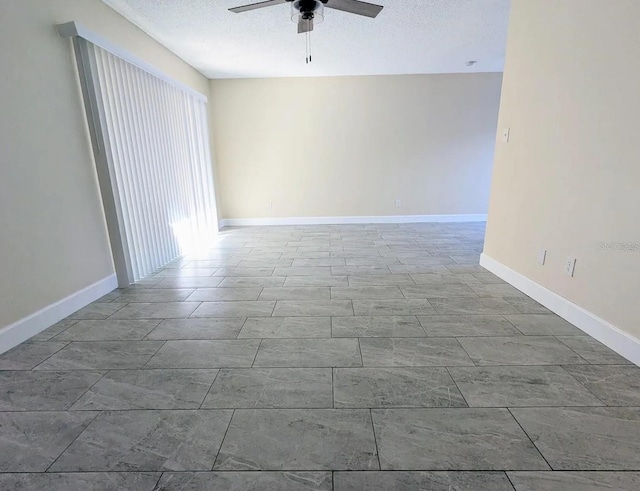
(506, 132)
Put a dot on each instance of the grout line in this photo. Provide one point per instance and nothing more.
(98, 413)
(210, 387)
(158, 481)
(67, 343)
(457, 387)
(530, 439)
(510, 481)
(106, 372)
(562, 367)
(151, 357)
(375, 439)
(256, 355)
(333, 386)
(213, 466)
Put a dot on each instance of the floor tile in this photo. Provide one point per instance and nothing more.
(380, 280)
(296, 293)
(52, 331)
(395, 387)
(382, 326)
(246, 481)
(526, 305)
(322, 262)
(593, 351)
(308, 353)
(465, 268)
(467, 325)
(205, 354)
(460, 439)
(615, 385)
(186, 272)
(102, 355)
(28, 355)
(434, 279)
(543, 325)
(392, 307)
(147, 441)
(108, 330)
(224, 294)
(96, 311)
(81, 481)
(305, 308)
(265, 388)
(359, 270)
(519, 350)
(286, 327)
(304, 271)
(416, 268)
(43, 391)
(299, 439)
(306, 332)
(165, 310)
(395, 352)
(155, 295)
(148, 389)
(488, 278)
(31, 441)
(593, 438)
(365, 292)
(315, 281)
(496, 290)
(205, 328)
(474, 306)
(421, 481)
(252, 282)
(575, 481)
(189, 282)
(444, 290)
(234, 309)
(521, 386)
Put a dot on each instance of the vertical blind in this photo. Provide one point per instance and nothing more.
(151, 144)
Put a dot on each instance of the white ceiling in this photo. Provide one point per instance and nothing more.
(409, 36)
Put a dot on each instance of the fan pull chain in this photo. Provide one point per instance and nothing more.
(308, 48)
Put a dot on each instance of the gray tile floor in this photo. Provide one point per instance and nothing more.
(343, 358)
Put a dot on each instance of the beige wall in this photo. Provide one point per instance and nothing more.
(351, 146)
(569, 179)
(52, 234)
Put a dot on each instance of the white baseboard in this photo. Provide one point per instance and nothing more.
(14, 334)
(249, 222)
(605, 332)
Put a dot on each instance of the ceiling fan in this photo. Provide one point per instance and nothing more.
(306, 11)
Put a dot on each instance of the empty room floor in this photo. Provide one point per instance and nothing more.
(345, 358)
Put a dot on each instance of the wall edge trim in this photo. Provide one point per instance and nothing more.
(27, 327)
(347, 220)
(611, 336)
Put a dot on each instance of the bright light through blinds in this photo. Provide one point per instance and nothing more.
(153, 161)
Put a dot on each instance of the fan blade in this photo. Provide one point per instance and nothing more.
(253, 6)
(355, 7)
(305, 25)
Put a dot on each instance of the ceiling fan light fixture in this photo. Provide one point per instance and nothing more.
(307, 10)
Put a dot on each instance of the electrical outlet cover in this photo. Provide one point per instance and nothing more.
(542, 256)
(570, 266)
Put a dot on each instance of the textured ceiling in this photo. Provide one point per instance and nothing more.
(409, 36)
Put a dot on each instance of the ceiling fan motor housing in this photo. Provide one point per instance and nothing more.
(308, 9)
